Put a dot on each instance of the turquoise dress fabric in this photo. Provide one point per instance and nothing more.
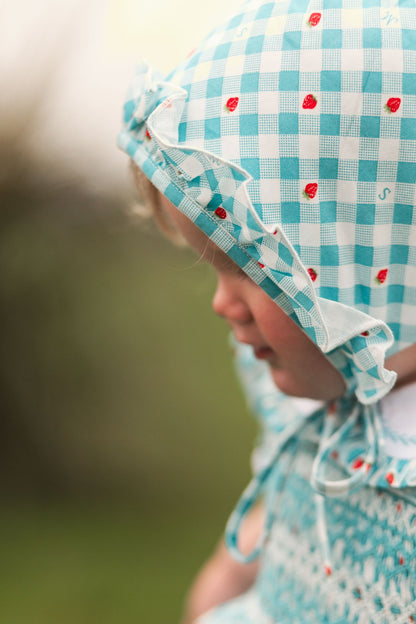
(358, 567)
(288, 136)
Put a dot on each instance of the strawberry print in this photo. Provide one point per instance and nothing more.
(314, 19)
(399, 507)
(312, 274)
(310, 190)
(310, 101)
(148, 137)
(381, 276)
(220, 212)
(357, 463)
(231, 104)
(261, 265)
(357, 593)
(328, 570)
(392, 105)
(390, 478)
(401, 560)
(365, 333)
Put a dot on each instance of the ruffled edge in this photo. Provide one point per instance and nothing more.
(277, 411)
(198, 182)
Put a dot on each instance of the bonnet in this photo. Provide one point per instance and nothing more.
(289, 137)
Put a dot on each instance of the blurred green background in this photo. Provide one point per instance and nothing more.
(125, 438)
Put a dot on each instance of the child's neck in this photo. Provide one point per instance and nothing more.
(404, 363)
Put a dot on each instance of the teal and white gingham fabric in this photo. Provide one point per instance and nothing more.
(289, 137)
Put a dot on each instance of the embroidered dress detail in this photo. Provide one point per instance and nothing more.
(350, 435)
(372, 539)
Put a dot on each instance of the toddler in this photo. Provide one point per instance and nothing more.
(283, 150)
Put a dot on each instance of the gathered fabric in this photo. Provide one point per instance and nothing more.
(371, 537)
(289, 137)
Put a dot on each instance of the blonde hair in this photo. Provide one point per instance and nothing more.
(150, 200)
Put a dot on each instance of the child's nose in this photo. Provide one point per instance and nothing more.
(229, 304)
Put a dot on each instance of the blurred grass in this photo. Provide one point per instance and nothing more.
(64, 564)
(124, 436)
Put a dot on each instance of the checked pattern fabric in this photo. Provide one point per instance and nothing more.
(289, 137)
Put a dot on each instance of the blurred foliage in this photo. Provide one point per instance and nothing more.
(64, 564)
(124, 435)
(117, 377)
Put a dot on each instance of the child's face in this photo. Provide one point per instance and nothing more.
(297, 365)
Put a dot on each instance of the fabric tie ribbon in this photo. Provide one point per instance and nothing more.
(331, 438)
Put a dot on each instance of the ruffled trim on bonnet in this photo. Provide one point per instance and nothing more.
(213, 192)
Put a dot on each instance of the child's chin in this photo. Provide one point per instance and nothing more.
(292, 387)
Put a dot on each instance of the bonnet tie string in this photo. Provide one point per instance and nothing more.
(255, 488)
(331, 437)
(330, 440)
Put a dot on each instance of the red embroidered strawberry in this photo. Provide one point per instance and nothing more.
(389, 478)
(357, 463)
(328, 570)
(261, 265)
(365, 333)
(381, 276)
(392, 105)
(310, 101)
(357, 593)
(310, 190)
(312, 274)
(148, 137)
(314, 19)
(220, 212)
(231, 104)
(401, 560)
(275, 232)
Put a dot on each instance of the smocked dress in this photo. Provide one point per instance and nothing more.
(352, 560)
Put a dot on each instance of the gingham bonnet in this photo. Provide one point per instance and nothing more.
(289, 137)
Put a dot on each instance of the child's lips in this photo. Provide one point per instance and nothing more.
(263, 353)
